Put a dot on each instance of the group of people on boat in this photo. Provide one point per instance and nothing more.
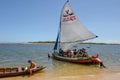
(73, 53)
(80, 53)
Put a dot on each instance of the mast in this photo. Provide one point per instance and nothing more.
(59, 40)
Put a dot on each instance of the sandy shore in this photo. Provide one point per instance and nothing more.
(110, 76)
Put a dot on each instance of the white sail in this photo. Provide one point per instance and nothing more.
(71, 30)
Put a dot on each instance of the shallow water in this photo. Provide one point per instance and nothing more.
(12, 55)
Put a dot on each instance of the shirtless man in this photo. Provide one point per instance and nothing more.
(32, 66)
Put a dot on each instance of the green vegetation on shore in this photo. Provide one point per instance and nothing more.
(51, 42)
(43, 42)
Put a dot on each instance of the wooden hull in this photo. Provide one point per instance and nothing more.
(80, 60)
(15, 72)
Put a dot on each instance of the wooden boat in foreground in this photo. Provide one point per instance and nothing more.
(10, 72)
(72, 32)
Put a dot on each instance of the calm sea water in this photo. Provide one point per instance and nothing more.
(14, 55)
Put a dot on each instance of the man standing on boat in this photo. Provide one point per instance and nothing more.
(32, 66)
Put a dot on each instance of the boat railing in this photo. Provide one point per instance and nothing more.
(2, 70)
(8, 70)
(14, 69)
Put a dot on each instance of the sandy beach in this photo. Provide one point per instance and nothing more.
(41, 76)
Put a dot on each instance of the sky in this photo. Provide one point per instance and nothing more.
(38, 20)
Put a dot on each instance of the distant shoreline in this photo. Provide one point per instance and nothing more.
(52, 42)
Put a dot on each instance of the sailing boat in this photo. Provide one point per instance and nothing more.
(72, 32)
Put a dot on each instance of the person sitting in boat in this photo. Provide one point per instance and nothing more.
(68, 53)
(79, 53)
(85, 54)
(61, 52)
(75, 52)
(65, 53)
(83, 50)
(32, 66)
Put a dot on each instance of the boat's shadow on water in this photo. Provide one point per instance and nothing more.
(57, 63)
